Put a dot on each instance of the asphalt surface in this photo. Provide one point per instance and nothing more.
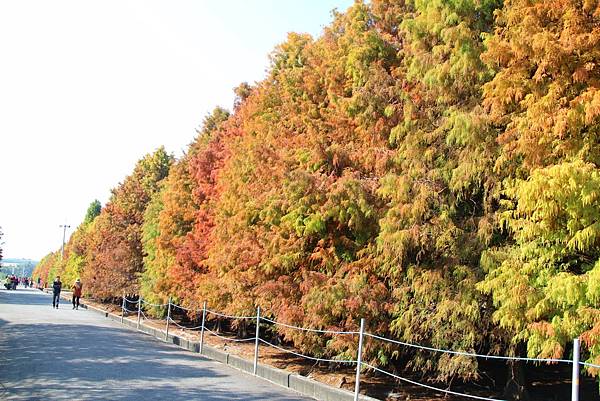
(65, 354)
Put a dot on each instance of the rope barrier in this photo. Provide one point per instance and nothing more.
(230, 316)
(305, 356)
(589, 365)
(311, 330)
(324, 331)
(144, 315)
(229, 339)
(148, 303)
(149, 318)
(463, 353)
(186, 309)
(430, 387)
(183, 327)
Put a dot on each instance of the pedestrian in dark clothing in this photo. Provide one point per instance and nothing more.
(77, 287)
(56, 287)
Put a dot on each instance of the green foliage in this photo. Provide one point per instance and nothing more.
(155, 273)
(114, 248)
(543, 101)
(545, 286)
(213, 120)
(46, 269)
(431, 166)
(93, 211)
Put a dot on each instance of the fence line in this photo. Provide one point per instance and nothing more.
(590, 365)
(305, 329)
(186, 309)
(428, 386)
(154, 305)
(230, 316)
(358, 362)
(183, 327)
(144, 315)
(213, 312)
(239, 340)
(464, 353)
(312, 358)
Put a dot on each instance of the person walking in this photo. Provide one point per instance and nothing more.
(77, 287)
(56, 287)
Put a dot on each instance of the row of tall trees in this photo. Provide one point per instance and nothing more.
(432, 166)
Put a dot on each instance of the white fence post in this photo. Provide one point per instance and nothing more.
(168, 318)
(139, 311)
(202, 329)
(257, 336)
(575, 379)
(123, 308)
(359, 359)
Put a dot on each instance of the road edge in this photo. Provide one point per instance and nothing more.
(300, 384)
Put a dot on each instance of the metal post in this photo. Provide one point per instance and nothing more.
(359, 359)
(257, 337)
(168, 318)
(202, 327)
(62, 249)
(139, 311)
(123, 308)
(575, 379)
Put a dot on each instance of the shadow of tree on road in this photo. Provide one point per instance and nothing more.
(71, 361)
(22, 296)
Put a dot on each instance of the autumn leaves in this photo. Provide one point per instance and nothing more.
(429, 166)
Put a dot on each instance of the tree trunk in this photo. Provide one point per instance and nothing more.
(515, 388)
(242, 329)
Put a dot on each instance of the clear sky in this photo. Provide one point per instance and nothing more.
(88, 87)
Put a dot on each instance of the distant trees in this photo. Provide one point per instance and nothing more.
(430, 166)
(47, 268)
(173, 257)
(115, 256)
(72, 264)
(92, 212)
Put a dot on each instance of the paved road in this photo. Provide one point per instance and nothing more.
(50, 354)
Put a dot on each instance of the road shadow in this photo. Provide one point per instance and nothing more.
(88, 362)
(24, 296)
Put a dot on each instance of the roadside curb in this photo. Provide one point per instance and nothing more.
(300, 384)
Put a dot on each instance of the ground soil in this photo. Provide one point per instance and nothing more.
(543, 383)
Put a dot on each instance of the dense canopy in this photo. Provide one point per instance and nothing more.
(431, 166)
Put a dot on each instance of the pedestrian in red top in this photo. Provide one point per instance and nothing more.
(77, 287)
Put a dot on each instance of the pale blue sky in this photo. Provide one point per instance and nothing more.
(89, 87)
